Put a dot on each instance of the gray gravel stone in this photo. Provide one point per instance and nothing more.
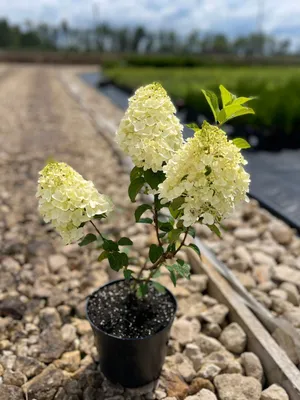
(234, 338)
(9, 392)
(252, 365)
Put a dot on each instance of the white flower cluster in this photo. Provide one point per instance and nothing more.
(149, 132)
(208, 172)
(67, 200)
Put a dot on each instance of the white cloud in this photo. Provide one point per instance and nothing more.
(230, 16)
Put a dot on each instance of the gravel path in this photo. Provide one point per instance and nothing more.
(46, 345)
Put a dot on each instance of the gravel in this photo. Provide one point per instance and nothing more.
(47, 346)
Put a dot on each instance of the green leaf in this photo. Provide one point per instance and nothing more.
(154, 178)
(207, 170)
(125, 241)
(213, 102)
(241, 143)
(226, 96)
(191, 231)
(243, 100)
(157, 274)
(134, 187)
(162, 235)
(135, 173)
(155, 252)
(175, 207)
(174, 234)
(171, 247)
(215, 230)
(195, 248)
(181, 269)
(128, 273)
(173, 277)
(193, 126)
(140, 211)
(110, 245)
(142, 290)
(103, 255)
(165, 226)
(115, 261)
(89, 238)
(124, 259)
(145, 220)
(232, 111)
(99, 216)
(160, 288)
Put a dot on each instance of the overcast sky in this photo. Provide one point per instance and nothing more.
(233, 17)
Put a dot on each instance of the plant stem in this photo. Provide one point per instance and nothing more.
(155, 220)
(96, 228)
(182, 243)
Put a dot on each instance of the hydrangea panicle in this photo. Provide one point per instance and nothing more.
(67, 200)
(149, 132)
(208, 172)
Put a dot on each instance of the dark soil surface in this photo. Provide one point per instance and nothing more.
(115, 310)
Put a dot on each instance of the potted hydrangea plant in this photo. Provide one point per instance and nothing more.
(195, 181)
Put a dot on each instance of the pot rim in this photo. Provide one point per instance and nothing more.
(128, 339)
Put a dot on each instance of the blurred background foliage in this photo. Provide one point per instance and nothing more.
(254, 65)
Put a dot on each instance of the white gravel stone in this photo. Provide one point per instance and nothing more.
(234, 338)
(237, 387)
(281, 232)
(183, 331)
(252, 365)
(208, 371)
(274, 392)
(207, 344)
(205, 394)
(246, 234)
(215, 314)
(56, 262)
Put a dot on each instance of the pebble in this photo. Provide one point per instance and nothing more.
(208, 371)
(237, 387)
(216, 314)
(281, 232)
(291, 291)
(274, 392)
(199, 383)
(15, 378)
(183, 331)
(49, 317)
(234, 338)
(186, 370)
(10, 392)
(252, 366)
(45, 385)
(56, 262)
(205, 394)
(246, 234)
(207, 344)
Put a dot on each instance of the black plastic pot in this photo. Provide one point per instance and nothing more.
(131, 362)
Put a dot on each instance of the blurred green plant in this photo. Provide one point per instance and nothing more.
(278, 89)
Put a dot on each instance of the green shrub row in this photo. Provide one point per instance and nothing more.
(192, 61)
(278, 89)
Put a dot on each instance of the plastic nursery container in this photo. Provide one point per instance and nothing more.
(131, 362)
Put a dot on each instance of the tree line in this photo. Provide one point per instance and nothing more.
(106, 38)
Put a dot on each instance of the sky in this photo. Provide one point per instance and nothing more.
(233, 17)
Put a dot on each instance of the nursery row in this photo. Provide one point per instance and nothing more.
(277, 104)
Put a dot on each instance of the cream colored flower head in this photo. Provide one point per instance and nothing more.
(149, 132)
(208, 172)
(67, 200)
